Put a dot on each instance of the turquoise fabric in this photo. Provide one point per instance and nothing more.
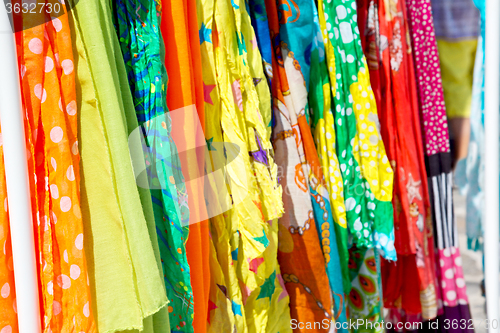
(137, 24)
(297, 30)
(323, 216)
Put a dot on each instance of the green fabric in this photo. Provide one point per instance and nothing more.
(137, 25)
(366, 171)
(324, 137)
(365, 298)
(122, 250)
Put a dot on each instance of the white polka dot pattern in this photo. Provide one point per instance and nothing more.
(428, 74)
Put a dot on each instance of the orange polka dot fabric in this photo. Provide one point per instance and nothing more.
(49, 98)
(8, 317)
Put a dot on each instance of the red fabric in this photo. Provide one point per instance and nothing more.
(392, 77)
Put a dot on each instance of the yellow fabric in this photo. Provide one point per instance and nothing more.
(325, 136)
(457, 67)
(375, 167)
(122, 250)
(248, 293)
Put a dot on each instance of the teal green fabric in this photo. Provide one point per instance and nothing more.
(137, 24)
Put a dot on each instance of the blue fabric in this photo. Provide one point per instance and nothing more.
(323, 217)
(297, 30)
(258, 15)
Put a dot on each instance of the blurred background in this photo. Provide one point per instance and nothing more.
(459, 26)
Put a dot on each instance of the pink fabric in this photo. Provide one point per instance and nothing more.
(428, 75)
(451, 278)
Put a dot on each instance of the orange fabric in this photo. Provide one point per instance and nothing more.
(185, 88)
(8, 317)
(48, 91)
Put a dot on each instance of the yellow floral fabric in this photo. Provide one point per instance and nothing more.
(247, 293)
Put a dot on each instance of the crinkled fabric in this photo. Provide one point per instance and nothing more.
(46, 65)
(300, 253)
(252, 297)
(392, 76)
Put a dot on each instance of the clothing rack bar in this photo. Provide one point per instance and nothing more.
(491, 191)
(18, 192)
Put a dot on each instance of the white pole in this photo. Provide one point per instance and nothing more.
(491, 160)
(18, 193)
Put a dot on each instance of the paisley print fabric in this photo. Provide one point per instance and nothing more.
(299, 254)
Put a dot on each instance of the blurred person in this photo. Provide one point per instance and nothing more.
(457, 29)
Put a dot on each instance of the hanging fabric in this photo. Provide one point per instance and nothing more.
(46, 65)
(367, 174)
(185, 88)
(247, 166)
(384, 27)
(124, 258)
(450, 280)
(323, 125)
(143, 53)
(299, 253)
(245, 237)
